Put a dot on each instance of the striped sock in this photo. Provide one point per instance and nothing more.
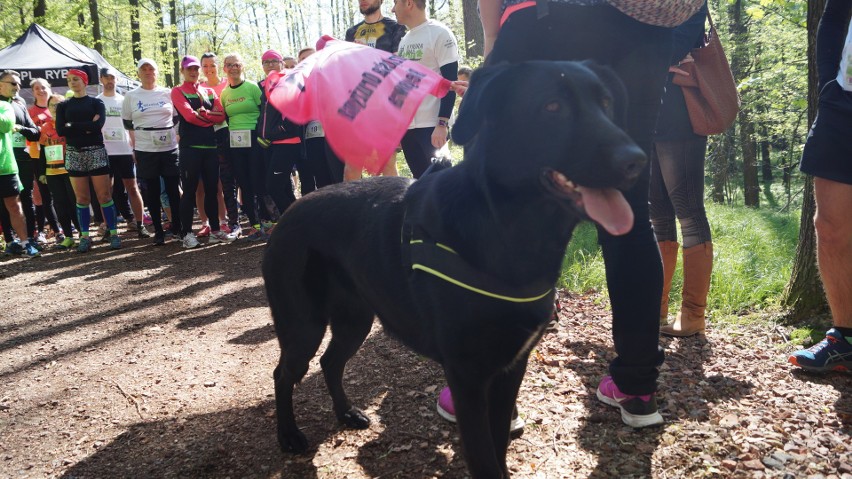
(84, 216)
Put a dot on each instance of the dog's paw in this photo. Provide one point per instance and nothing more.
(294, 442)
(355, 418)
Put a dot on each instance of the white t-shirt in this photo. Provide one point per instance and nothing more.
(116, 139)
(432, 45)
(151, 109)
(844, 76)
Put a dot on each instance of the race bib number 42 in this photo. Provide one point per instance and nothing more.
(162, 138)
(240, 138)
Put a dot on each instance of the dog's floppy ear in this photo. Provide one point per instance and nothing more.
(613, 83)
(484, 95)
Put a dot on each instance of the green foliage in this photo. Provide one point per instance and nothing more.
(753, 251)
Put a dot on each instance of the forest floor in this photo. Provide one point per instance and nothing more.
(157, 363)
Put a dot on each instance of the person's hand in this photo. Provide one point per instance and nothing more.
(680, 71)
(439, 136)
(96, 118)
(42, 179)
(460, 87)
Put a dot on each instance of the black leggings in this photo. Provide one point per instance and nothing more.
(640, 55)
(47, 210)
(242, 162)
(280, 160)
(677, 191)
(152, 200)
(418, 149)
(64, 202)
(195, 164)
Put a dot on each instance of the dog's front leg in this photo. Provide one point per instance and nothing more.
(470, 402)
(503, 394)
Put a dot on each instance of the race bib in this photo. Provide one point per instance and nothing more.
(18, 140)
(113, 134)
(314, 130)
(162, 138)
(53, 154)
(240, 138)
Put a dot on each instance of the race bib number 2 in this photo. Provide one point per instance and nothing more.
(113, 134)
(240, 138)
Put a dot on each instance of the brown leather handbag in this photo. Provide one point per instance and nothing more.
(710, 91)
(662, 13)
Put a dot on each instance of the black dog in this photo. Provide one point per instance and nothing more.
(461, 264)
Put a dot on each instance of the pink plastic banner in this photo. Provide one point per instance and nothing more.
(365, 98)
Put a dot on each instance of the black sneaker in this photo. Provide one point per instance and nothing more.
(159, 238)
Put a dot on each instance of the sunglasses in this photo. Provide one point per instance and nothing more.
(271, 62)
(13, 83)
(233, 65)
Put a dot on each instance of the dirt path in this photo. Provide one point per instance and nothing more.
(157, 362)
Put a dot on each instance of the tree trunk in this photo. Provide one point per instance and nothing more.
(135, 34)
(740, 66)
(766, 161)
(474, 38)
(718, 156)
(804, 295)
(163, 34)
(173, 35)
(96, 26)
(39, 10)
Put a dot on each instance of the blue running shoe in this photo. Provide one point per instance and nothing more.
(114, 242)
(85, 244)
(833, 353)
(14, 247)
(31, 249)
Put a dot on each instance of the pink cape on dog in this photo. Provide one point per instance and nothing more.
(365, 98)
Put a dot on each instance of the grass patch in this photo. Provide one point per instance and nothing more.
(753, 258)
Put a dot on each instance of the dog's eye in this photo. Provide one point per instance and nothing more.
(553, 106)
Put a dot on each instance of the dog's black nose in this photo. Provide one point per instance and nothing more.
(630, 160)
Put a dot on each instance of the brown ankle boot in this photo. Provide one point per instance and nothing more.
(697, 268)
(668, 250)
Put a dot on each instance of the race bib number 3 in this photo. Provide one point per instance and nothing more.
(53, 154)
(162, 138)
(18, 140)
(240, 138)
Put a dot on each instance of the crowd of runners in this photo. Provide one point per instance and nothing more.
(209, 160)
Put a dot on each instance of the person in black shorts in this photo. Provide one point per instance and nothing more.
(80, 119)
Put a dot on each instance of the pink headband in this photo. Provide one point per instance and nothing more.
(80, 73)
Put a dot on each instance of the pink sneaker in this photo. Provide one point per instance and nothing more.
(203, 232)
(636, 411)
(447, 411)
(224, 228)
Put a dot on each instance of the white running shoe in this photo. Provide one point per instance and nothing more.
(190, 241)
(221, 237)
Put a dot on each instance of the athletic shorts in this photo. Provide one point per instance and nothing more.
(122, 166)
(828, 150)
(150, 165)
(10, 185)
(86, 160)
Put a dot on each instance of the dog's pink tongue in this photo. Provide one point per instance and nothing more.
(608, 208)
